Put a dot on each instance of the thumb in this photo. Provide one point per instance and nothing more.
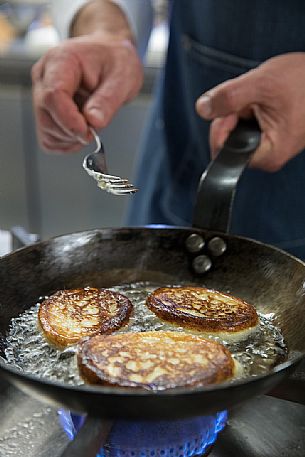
(263, 158)
(229, 97)
(104, 102)
(220, 129)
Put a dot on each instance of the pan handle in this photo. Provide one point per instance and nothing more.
(218, 182)
(89, 440)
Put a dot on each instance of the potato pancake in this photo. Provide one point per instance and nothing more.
(69, 315)
(155, 360)
(208, 311)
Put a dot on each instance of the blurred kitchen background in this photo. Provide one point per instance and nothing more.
(45, 193)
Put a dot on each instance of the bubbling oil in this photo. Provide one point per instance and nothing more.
(27, 349)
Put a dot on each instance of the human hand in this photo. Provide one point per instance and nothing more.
(82, 82)
(274, 93)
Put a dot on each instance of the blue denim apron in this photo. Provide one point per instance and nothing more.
(212, 41)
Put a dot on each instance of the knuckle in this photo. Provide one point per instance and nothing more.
(51, 95)
(268, 85)
(264, 83)
(230, 99)
(57, 51)
(227, 98)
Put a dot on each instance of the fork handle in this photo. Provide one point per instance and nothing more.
(96, 138)
(218, 183)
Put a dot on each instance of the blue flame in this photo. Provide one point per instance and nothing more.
(179, 438)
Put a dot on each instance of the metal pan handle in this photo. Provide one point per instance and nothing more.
(89, 440)
(218, 182)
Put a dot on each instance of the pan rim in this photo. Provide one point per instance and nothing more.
(154, 228)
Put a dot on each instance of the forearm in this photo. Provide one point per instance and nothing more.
(101, 16)
(131, 19)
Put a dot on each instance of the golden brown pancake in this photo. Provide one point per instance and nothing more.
(69, 315)
(205, 310)
(154, 360)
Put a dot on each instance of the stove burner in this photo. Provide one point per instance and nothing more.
(179, 438)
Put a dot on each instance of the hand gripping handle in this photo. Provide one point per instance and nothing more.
(218, 183)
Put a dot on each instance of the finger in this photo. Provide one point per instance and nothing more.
(103, 104)
(229, 97)
(220, 129)
(264, 157)
(111, 94)
(51, 144)
(267, 156)
(49, 127)
(50, 135)
(55, 92)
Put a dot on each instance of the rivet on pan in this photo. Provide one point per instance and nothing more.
(217, 246)
(202, 264)
(194, 243)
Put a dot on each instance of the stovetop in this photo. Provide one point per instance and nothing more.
(263, 427)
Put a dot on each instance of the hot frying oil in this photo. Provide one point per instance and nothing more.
(28, 350)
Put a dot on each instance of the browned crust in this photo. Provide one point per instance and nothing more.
(154, 360)
(215, 311)
(70, 315)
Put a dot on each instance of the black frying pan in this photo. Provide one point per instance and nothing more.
(267, 277)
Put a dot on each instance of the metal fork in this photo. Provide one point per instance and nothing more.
(95, 166)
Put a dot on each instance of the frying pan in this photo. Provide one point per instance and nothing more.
(267, 277)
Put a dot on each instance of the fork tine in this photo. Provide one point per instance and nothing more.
(123, 186)
(122, 194)
(117, 188)
(132, 190)
(115, 181)
(120, 186)
(95, 165)
(111, 177)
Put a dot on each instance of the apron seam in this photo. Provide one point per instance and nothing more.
(203, 52)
